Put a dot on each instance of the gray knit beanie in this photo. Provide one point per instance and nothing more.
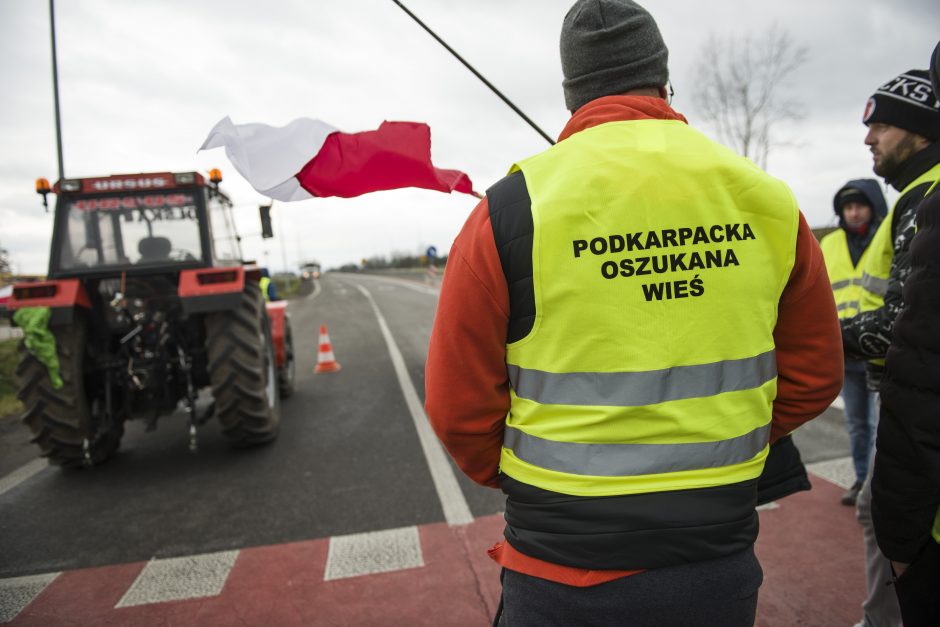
(609, 47)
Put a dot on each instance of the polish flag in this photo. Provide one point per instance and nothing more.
(309, 158)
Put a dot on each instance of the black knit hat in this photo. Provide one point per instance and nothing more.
(610, 47)
(907, 101)
(850, 194)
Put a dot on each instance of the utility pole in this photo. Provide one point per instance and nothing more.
(281, 238)
(55, 89)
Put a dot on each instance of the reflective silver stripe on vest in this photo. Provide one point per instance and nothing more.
(874, 285)
(852, 304)
(635, 389)
(838, 285)
(624, 460)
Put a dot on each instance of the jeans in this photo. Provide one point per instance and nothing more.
(880, 607)
(717, 593)
(860, 417)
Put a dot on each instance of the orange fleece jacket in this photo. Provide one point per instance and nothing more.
(467, 385)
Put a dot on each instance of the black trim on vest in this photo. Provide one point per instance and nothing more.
(634, 531)
(511, 217)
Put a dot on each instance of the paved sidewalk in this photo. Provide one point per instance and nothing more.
(810, 547)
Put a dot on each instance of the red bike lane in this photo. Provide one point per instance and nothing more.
(810, 548)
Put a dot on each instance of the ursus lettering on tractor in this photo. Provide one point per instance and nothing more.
(150, 303)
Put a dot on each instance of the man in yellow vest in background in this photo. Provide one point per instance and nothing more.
(903, 119)
(860, 207)
(267, 286)
(628, 320)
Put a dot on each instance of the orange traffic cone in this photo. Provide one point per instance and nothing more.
(326, 362)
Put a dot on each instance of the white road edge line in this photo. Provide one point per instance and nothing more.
(456, 510)
(21, 474)
(421, 288)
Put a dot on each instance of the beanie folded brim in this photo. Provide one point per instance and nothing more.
(612, 80)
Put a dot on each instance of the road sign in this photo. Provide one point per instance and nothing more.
(432, 252)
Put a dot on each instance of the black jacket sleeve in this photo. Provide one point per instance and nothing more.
(906, 481)
(868, 335)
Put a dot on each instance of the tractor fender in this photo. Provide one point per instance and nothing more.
(61, 296)
(211, 289)
(277, 314)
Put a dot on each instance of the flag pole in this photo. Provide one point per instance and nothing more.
(477, 74)
(55, 90)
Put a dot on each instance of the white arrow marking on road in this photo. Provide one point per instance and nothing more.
(456, 510)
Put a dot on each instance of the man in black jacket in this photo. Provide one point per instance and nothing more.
(903, 118)
(906, 481)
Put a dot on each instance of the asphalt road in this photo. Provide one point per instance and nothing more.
(348, 458)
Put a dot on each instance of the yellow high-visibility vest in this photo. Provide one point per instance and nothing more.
(264, 282)
(878, 265)
(650, 365)
(845, 278)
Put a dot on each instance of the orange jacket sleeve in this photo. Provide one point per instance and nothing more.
(467, 386)
(808, 341)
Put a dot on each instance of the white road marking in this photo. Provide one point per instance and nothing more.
(839, 471)
(21, 474)
(18, 592)
(411, 285)
(766, 507)
(456, 510)
(375, 552)
(180, 578)
(838, 403)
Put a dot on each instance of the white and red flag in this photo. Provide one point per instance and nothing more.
(309, 158)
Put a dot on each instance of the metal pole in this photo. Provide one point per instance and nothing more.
(55, 89)
(281, 242)
(477, 74)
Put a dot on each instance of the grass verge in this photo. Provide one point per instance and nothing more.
(9, 404)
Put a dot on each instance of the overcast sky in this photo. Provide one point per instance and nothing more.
(142, 83)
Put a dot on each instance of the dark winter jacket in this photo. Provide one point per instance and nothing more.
(906, 483)
(867, 335)
(876, 200)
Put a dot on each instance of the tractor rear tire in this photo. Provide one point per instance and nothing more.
(243, 371)
(60, 419)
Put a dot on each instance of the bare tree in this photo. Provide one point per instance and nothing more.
(740, 88)
(5, 267)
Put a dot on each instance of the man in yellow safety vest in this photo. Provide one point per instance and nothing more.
(860, 207)
(628, 320)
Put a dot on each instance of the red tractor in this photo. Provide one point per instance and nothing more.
(149, 305)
